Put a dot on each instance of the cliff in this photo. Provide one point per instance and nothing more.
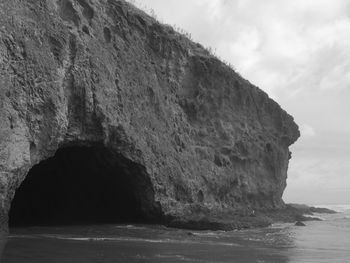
(197, 141)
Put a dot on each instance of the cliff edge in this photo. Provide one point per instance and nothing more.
(204, 146)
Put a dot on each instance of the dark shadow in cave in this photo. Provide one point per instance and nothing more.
(84, 185)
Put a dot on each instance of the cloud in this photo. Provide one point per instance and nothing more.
(307, 131)
(319, 170)
(279, 45)
(318, 180)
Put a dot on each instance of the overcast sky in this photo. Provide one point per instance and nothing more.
(299, 53)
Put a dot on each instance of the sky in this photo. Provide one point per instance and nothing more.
(299, 53)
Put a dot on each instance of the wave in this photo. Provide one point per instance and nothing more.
(281, 225)
(341, 208)
(133, 227)
(215, 234)
(319, 216)
(181, 258)
(125, 239)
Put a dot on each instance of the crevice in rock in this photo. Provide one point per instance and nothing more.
(85, 185)
(68, 13)
(86, 30)
(200, 196)
(57, 48)
(72, 48)
(107, 35)
(88, 11)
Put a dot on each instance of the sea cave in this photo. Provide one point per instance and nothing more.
(84, 185)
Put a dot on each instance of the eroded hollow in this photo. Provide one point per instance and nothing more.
(84, 185)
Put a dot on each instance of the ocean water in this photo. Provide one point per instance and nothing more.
(320, 241)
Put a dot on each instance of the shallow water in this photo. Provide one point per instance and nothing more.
(321, 241)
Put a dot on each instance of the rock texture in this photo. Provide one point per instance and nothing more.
(310, 210)
(211, 145)
(299, 223)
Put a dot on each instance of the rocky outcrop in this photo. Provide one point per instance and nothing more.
(310, 210)
(210, 145)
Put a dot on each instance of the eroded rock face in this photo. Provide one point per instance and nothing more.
(81, 73)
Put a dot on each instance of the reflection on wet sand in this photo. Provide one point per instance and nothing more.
(3, 238)
(319, 242)
(129, 243)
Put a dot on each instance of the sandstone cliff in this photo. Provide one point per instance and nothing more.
(202, 142)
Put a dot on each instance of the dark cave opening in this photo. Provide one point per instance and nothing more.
(84, 185)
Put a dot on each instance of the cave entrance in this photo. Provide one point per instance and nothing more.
(84, 185)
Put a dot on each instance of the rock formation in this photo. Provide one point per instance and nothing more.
(198, 143)
(299, 223)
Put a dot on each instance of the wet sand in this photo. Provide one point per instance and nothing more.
(131, 249)
(318, 242)
(3, 240)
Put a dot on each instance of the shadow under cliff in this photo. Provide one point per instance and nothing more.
(84, 185)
